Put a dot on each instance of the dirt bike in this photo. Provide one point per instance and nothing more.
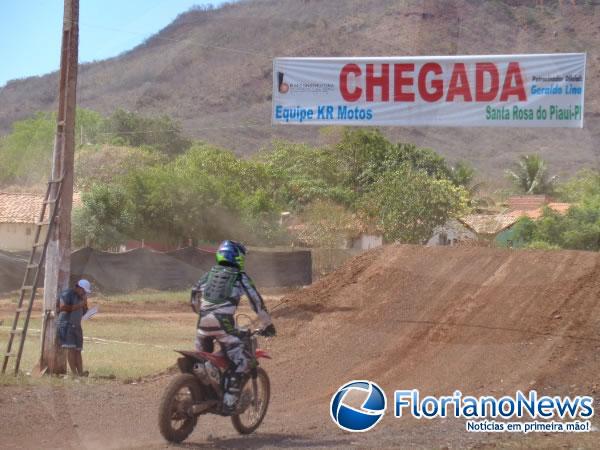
(199, 390)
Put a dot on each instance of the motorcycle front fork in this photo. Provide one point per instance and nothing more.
(254, 391)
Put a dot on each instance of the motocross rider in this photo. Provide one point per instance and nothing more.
(216, 297)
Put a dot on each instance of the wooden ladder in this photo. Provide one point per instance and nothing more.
(33, 271)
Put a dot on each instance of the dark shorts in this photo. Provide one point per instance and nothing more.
(70, 336)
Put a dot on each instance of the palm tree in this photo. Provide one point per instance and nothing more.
(531, 175)
(462, 174)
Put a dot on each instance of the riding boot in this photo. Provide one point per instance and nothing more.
(232, 393)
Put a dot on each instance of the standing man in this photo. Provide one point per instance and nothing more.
(72, 306)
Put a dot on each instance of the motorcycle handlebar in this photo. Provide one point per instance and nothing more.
(251, 333)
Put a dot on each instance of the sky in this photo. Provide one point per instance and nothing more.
(30, 30)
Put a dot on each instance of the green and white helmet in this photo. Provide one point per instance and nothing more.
(231, 253)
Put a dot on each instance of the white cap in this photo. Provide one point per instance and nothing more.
(85, 285)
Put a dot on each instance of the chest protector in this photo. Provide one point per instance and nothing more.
(220, 283)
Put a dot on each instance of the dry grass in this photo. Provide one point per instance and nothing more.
(145, 297)
(122, 348)
(132, 336)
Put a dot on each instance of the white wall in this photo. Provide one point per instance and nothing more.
(452, 233)
(367, 241)
(17, 236)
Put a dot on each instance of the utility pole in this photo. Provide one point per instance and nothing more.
(58, 255)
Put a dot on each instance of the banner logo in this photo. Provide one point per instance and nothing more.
(365, 417)
(283, 86)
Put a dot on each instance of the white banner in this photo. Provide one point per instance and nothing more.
(457, 91)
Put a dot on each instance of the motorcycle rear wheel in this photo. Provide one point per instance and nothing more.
(174, 422)
(251, 418)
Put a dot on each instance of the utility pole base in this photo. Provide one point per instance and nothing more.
(54, 357)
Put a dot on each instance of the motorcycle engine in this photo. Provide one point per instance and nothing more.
(201, 373)
(212, 372)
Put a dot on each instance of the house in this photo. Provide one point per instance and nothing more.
(499, 230)
(490, 228)
(355, 235)
(364, 241)
(18, 214)
(495, 229)
(535, 214)
(507, 237)
(527, 202)
(452, 233)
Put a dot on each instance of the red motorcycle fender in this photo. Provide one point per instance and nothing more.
(262, 354)
(217, 359)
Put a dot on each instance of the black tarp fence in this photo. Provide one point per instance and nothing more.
(12, 270)
(147, 269)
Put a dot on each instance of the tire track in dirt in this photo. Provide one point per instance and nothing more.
(484, 321)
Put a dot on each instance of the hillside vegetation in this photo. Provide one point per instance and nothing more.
(211, 69)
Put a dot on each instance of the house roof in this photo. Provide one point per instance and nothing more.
(20, 208)
(527, 202)
(24, 208)
(312, 234)
(488, 224)
(535, 214)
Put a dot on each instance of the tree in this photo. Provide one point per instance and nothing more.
(105, 163)
(423, 159)
(345, 170)
(239, 192)
(579, 229)
(300, 174)
(88, 127)
(409, 203)
(326, 224)
(104, 221)
(531, 175)
(354, 171)
(205, 194)
(584, 184)
(161, 133)
(359, 155)
(364, 154)
(462, 174)
(157, 206)
(26, 152)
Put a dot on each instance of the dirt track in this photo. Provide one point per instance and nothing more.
(480, 320)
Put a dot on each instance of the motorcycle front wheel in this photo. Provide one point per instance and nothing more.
(254, 398)
(174, 420)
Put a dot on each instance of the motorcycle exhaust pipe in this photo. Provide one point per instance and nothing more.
(208, 375)
(202, 407)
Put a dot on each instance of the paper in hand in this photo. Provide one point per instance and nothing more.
(90, 313)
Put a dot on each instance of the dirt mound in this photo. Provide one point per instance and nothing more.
(483, 321)
(440, 319)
